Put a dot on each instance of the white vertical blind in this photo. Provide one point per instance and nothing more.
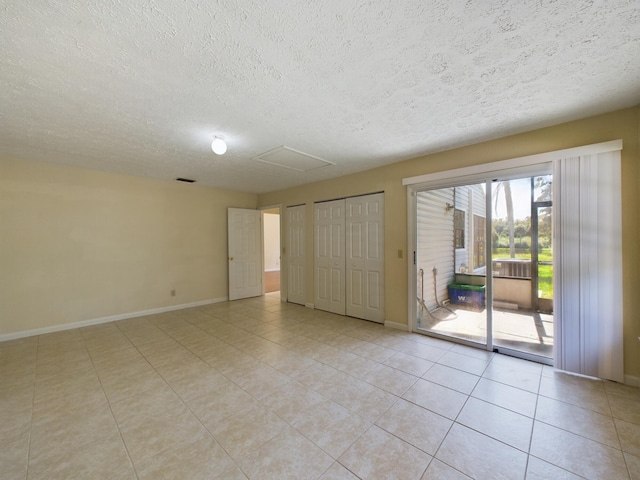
(588, 265)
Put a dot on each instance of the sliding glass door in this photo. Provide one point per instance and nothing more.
(522, 266)
(451, 262)
(484, 264)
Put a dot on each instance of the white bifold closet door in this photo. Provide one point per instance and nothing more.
(329, 256)
(296, 258)
(350, 257)
(365, 257)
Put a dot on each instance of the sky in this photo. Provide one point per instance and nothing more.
(521, 195)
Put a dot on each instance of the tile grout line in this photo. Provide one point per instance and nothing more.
(615, 425)
(33, 403)
(115, 421)
(533, 424)
(245, 348)
(182, 400)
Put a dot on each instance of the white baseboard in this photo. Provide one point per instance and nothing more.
(398, 326)
(310, 305)
(632, 381)
(111, 318)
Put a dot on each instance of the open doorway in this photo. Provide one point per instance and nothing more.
(271, 254)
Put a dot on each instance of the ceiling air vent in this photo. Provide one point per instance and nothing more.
(185, 180)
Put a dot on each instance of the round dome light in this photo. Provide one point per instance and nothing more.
(218, 146)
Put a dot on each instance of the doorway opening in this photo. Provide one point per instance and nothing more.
(271, 249)
(484, 264)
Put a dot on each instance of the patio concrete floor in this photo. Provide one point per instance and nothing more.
(526, 331)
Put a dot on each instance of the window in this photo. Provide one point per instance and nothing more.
(458, 227)
(478, 241)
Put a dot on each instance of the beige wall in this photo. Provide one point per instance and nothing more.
(623, 124)
(79, 244)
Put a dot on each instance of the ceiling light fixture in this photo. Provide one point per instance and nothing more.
(218, 146)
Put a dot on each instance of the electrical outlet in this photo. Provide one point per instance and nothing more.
(173, 293)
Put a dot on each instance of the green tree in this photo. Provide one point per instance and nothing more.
(523, 227)
(506, 188)
(543, 188)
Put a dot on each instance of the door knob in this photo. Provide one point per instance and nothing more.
(231, 258)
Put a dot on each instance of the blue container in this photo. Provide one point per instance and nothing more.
(468, 295)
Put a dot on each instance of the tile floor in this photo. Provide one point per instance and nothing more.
(259, 389)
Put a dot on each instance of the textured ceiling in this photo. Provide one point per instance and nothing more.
(141, 87)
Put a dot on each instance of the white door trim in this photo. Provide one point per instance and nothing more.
(459, 174)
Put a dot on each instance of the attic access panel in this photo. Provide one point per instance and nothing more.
(291, 159)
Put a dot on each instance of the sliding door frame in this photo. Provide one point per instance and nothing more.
(527, 166)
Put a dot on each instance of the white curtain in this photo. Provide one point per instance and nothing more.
(588, 265)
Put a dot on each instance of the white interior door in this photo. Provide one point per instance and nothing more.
(296, 254)
(365, 257)
(245, 253)
(329, 256)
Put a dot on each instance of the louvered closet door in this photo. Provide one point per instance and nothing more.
(329, 256)
(365, 257)
(296, 254)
